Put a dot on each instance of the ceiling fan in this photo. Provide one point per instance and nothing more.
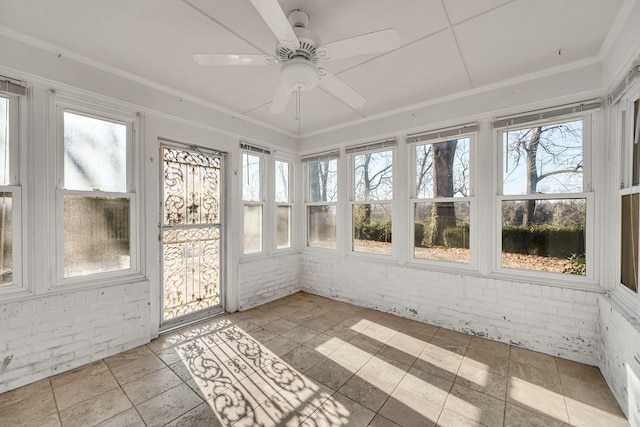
(299, 50)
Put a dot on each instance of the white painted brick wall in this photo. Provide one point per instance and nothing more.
(560, 322)
(620, 362)
(266, 279)
(51, 334)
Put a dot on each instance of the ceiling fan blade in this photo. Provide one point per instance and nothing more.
(281, 99)
(340, 89)
(233, 59)
(379, 41)
(275, 18)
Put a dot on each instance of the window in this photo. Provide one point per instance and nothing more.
(321, 200)
(284, 204)
(10, 191)
(371, 203)
(630, 194)
(441, 198)
(252, 166)
(544, 205)
(95, 200)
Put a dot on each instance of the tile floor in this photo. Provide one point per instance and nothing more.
(310, 361)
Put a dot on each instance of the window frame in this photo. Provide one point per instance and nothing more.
(289, 203)
(472, 264)
(353, 152)
(17, 131)
(625, 128)
(587, 194)
(132, 123)
(261, 198)
(306, 161)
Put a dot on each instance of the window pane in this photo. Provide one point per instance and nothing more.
(636, 142)
(4, 141)
(250, 177)
(442, 169)
(372, 228)
(6, 238)
(323, 181)
(95, 154)
(543, 159)
(321, 221)
(283, 227)
(553, 241)
(373, 176)
(96, 235)
(252, 228)
(441, 231)
(629, 247)
(282, 181)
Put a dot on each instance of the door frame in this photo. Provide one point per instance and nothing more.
(167, 326)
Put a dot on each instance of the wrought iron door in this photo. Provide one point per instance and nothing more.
(191, 230)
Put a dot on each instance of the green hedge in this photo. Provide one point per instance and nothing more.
(543, 240)
(378, 231)
(456, 237)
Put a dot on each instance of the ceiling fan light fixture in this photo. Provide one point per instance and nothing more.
(298, 73)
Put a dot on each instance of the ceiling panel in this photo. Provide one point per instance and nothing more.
(461, 10)
(525, 37)
(430, 68)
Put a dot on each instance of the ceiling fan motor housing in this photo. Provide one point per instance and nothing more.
(309, 41)
(299, 73)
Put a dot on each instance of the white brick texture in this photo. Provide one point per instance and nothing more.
(268, 279)
(560, 322)
(50, 334)
(620, 362)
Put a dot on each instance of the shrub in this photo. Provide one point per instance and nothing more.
(418, 234)
(543, 240)
(456, 237)
(576, 264)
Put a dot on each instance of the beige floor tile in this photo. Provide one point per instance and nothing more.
(96, 410)
(280, 326)
(454, 341)
(380, 333)
(537, 398)
(350, 357)
(128, 418)
(303, 358)
(426, 386)
(365, 393)
(339, 410)
(137, 368)
(590, 393)
(169, 356)
(330, 373)
(151, 385)
(380, 421)
(452, 419)
(479, 379)
(273, 412)
(325, 344)
(380, 372)
(585, 415)
(127, 356)
(408, 410)
(517, 416)
(25, 392)
(202, 415)
(489, 346)
(322, 323)
(487, 362)
(261, 334)
(580, 371)
(366, 343)
(300, 334)
(77, 374)
(399, 356)
(28, 411)
(543, 377)
(439, 361)
(312, 397)
(407, 344)
(280, 345)
(84, 388)
(476, 406)
(530, 357)
(168, 406)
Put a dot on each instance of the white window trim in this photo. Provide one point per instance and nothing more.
(472, 265)
(379, 147)
(534, 276)
(332, 155)
(17, 150)
(116, 115)
(264, 240)
(289, 203)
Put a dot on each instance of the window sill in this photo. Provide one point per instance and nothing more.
(536, 278)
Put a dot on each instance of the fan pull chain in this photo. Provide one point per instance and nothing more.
(298, 109)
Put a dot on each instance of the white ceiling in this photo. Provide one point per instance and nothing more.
(448, 46)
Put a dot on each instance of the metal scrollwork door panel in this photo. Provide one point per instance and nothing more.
(191, 234)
